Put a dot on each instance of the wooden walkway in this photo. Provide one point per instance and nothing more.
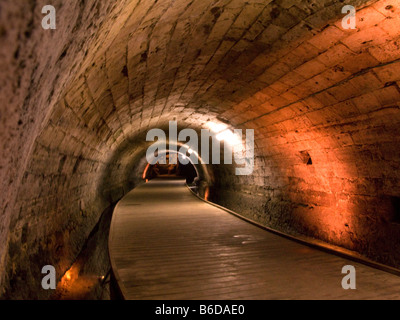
(165, 243)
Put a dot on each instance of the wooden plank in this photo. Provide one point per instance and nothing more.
(167, 244)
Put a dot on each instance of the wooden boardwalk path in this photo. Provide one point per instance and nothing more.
(165, 243)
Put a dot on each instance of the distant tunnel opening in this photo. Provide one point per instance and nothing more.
(166, 167)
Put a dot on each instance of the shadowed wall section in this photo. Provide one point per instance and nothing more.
(323, 101)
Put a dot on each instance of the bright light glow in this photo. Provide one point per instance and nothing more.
(145, 171)
(68, 275)
(223, 133)
(195, 153)
(190, 151)
(207, 193)
(216, 127)
(229, 137)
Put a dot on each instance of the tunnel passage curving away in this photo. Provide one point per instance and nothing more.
(78, 101)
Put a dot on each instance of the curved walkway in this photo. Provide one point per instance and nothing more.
(167, 244)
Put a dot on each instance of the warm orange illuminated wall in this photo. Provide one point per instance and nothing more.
(337, 97)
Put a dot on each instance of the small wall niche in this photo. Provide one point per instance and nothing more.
(395, 209)
(306, 158)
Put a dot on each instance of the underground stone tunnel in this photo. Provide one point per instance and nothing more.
(78, 101)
